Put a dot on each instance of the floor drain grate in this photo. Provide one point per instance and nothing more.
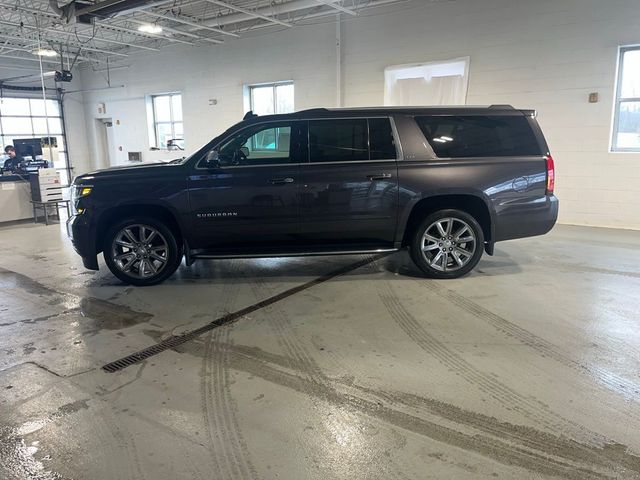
(176, 341)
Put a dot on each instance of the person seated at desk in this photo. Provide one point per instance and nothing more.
(11, 164)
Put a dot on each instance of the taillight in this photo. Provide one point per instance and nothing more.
(551, 174)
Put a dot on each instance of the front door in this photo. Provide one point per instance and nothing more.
(244, 193)
(349, 187)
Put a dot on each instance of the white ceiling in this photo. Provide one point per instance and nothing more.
(27, 24)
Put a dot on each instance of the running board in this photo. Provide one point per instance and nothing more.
(289, 254)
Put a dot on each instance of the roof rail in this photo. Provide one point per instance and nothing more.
(249, 115)
(501, 107)
(311, 110)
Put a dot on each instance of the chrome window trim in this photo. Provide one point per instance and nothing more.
(302, 164)
(349, 163)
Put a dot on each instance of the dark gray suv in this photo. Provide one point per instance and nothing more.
(445, 182)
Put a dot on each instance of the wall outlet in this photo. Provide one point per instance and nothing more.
(593, 97)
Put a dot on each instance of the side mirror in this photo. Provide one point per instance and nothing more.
(245, 151)
(213, 159)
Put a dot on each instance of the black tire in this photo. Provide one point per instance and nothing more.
(449, 253)
(162, 252)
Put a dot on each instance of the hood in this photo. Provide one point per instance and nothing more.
(140, 169)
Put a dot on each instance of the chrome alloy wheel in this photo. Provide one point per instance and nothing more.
(448, 244)
(140, 251)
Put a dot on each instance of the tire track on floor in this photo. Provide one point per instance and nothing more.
(507, 397)
(536, 450)
(281, 326)
(226, 442)
(628, 388)
(299, 359)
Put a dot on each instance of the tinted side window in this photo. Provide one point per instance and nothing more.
(381, 143)
(479, 136)
(338, 140)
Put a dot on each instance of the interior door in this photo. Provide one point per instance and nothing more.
(349, 187)
(244, 193)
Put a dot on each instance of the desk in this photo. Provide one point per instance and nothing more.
(15, 197)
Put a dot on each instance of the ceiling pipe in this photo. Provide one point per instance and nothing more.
(249, 12)
(64, 32)
(195, 25)
(57, 62)
(49, 39)
(110, 26)
(36, 77)
(272, 11)
(335, 6)
(309, 16)
(173, 30)
(28, 59)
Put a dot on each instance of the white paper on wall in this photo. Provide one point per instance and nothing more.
(434, 83)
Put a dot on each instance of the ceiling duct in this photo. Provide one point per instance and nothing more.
(85, 12)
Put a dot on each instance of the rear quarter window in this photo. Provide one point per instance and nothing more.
(479, 136)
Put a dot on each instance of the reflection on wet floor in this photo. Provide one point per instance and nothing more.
(375, 373)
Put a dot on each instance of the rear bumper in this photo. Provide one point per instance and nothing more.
(82, 237)
(527, 219)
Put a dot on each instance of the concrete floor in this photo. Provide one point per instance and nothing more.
(528, 368)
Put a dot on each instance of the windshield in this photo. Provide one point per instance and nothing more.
(204, 148)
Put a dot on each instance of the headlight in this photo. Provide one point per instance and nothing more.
(80, 191)
(77, 193)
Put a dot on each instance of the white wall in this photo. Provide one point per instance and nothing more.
(544, 54)
(212, 72)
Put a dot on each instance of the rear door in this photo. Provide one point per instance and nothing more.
(349, 187)
(251, 198)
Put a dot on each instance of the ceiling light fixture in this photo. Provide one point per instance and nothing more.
(148, 28)
(45, 52)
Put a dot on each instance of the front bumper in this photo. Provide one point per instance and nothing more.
(82, 237)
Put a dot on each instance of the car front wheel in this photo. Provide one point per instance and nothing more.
(447, 244)
(141, 251)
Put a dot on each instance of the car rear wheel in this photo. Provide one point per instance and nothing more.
(141, 251)
(447, 244)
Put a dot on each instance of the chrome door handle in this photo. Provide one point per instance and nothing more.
(280, 181)
(379, 176)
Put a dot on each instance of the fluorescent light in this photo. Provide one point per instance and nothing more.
(45, 52)
(148, 28)
(439, 140)
(448, 139)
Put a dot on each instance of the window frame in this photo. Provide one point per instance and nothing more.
(46, 115)
(260, 128)
(171, 122)
(619, 100)
(202, 153)
(394, 133)
(434, 151)
(273, 86)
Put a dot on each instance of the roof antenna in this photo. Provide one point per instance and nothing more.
(249, 115)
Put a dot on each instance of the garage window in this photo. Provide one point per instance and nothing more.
(167, 120)
(626, 131)
(271, 98)
(28, 118)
